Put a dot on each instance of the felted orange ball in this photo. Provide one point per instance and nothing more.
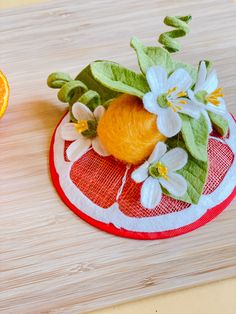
(128, 131)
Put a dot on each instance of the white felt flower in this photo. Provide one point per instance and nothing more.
(160, 169)
(83, 133)
(206, 93)
(168, 97)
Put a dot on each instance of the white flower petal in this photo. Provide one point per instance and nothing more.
(150, 103)
(176, 184)
(99, 112)
(157, 80)
(175, 159)
(169, 123)
(220, 109)
(99, 148)
(151, 193)
(82, 112)
(191, 95)
(201, 77)
(78, 148)
(69, 132)
(190, 108)
(208, 120)
(141, 173)
(180, 79)
(211, 82)
(158, 152)
(222, 105)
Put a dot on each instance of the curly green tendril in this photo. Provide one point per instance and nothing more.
(71, 91)
(167, 39)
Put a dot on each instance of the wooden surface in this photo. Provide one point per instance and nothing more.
(51, 261)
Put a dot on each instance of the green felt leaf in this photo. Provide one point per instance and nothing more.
(87, 78)
(119, 79)
(150, 56)
(195, 135)
(195, 172)
(219, 123)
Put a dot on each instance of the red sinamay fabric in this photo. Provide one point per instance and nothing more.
(100, 179)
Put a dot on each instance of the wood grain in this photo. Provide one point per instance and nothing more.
(51, 261)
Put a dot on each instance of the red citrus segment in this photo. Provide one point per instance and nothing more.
(99, 178)
(220, 159)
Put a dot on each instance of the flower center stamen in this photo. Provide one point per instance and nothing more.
(81, 126)
(163, 170)
(181, 94)
(171, 90)
(168, 100)
(158, 170)
(170, 104)
(213, 97)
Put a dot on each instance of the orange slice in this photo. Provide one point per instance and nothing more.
(4, 94)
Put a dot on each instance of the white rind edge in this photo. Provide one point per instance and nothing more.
(160, 223)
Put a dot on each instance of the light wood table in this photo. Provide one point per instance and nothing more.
(215, 298)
